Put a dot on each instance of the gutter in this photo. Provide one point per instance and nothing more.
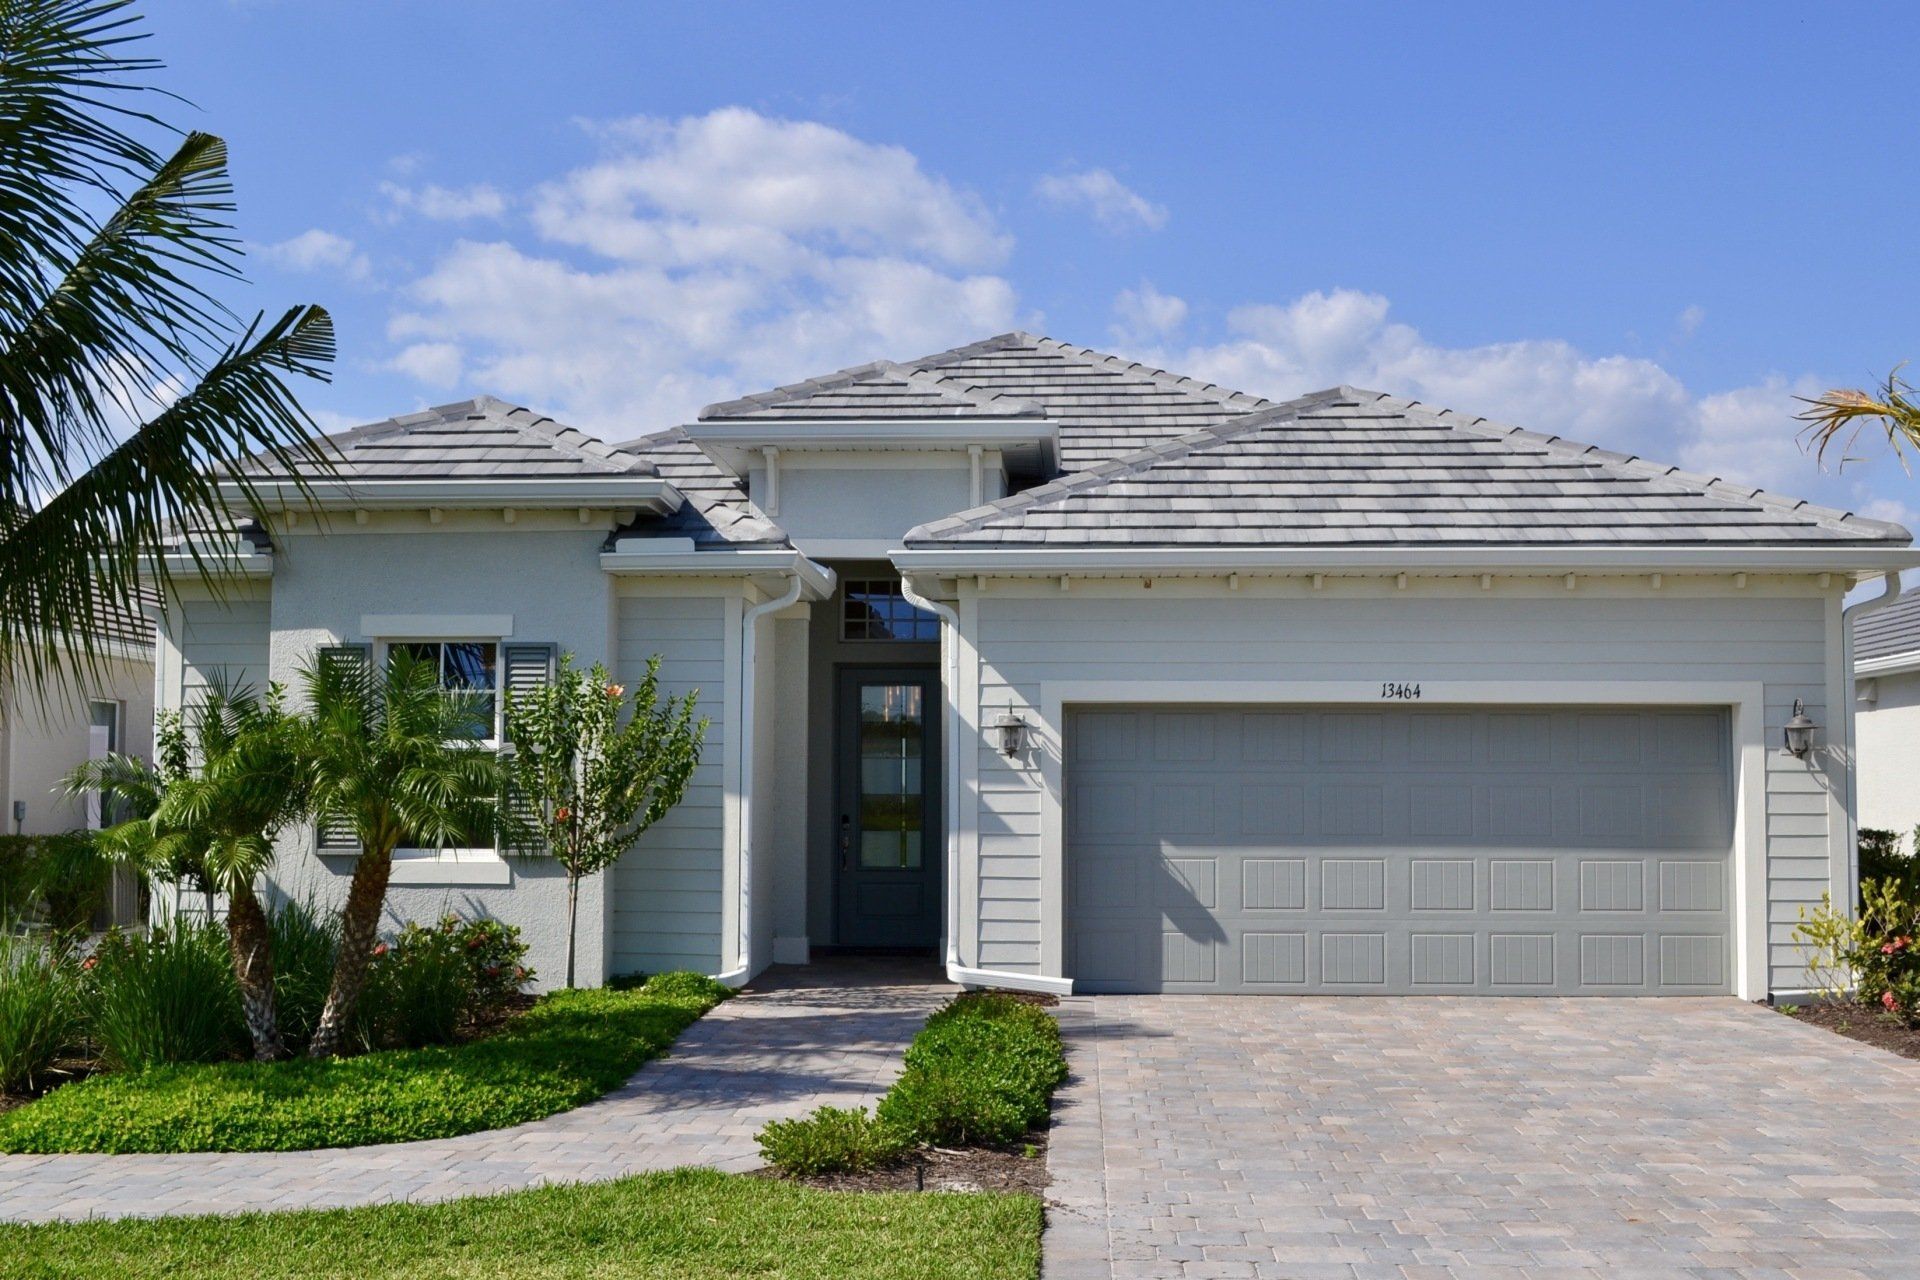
(749, 629)
(1890, 592)
(963, 560)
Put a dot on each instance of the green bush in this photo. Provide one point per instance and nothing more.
(831, 1140)
(39, 1011)
(167, 997)
(306, 941)
(64, 876)
(982, 1071)
(1872, 956)
(428, 982)
(684, 984)
(569, 1049)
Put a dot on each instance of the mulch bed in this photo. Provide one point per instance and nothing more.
(1022, 1167)
(1863, 1023)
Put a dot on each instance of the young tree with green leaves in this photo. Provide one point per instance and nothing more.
(128, 391)
(231, 780)
(592, 770)
(396, 759)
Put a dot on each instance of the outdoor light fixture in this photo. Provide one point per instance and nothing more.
(1013, 733)
(1799, 731)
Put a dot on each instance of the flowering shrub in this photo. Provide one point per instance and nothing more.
(429, 981)
(1872, 955)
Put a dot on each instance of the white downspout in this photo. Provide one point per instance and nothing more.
(749, 629)
(950, 739)
(1848, 617)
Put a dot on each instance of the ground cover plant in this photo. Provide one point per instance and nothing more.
(684, 1225)
(981, 1073)
(568, 1049)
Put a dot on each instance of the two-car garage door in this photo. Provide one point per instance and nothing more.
(1429, 850)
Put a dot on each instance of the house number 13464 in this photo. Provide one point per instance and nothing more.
(1403, 692)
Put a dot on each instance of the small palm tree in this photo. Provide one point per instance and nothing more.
(1846, 411)
(391, 756)
(128, 392)
(219, 811)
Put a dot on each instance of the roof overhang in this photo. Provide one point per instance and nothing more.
(1027, 443)
(1123, 561)
(634, 557)
(646, 495)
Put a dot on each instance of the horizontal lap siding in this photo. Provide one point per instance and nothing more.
(233, 638)
(667, 889)
(1032, 637)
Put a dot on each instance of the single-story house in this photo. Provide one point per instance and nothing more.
(1095, 677)
(1886, 686)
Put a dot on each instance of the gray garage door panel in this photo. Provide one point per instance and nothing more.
(1443, 850)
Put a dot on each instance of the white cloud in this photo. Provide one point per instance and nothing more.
(1146, 314)
(1688, 322)
(446, 204)
(700, 258)
(317, 250)
(1113, 204)
(1745, 434)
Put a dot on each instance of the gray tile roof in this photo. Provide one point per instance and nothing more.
(881, 391)
(483, 438)
(715, 512)
(1356, 468)
(1104, 405)
(1889, 631)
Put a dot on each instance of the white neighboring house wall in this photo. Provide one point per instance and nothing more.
(41, 744)
(1887, 727)
(1028, 642)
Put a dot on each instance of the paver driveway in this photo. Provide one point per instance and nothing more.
(1266, 1136)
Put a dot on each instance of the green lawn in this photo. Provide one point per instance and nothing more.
(684, 1225)
(570, 1048)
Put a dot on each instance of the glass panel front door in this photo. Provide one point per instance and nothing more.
(889, 812)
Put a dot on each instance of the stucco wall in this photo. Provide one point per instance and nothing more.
(41, 743)
(1888, 732)
(1780, 634)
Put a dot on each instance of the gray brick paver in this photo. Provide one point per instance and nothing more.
(766, 1054)
(1475, 1137)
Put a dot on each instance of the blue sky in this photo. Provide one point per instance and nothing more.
(1646, 226)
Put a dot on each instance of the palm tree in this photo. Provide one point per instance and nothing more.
(221, 814)
(128, 392)
(391, 756)
(1844, 411)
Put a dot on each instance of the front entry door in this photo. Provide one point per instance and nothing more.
(888, 838)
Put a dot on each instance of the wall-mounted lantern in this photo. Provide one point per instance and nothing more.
(1013, 733)
(1799, 731)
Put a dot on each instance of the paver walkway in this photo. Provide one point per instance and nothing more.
(799, 1038)
(1434, 1137)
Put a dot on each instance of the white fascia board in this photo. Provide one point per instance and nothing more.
(1891, 664)
(737, 445)
(1295, 560)
(222, 560)
(647, 494)
(629, 559)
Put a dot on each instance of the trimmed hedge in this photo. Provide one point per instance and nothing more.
(981, 1072)
(567, 1050)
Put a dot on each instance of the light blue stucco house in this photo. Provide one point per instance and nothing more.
(1079, 674)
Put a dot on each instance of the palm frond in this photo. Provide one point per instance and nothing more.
(1846, 412)
(61, 565)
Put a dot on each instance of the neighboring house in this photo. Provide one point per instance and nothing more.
(1886, 683)
(1087, 673)
(44, 738)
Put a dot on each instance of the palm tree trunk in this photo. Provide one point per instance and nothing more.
(573, 912)
(252, 941)
(359, 931)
